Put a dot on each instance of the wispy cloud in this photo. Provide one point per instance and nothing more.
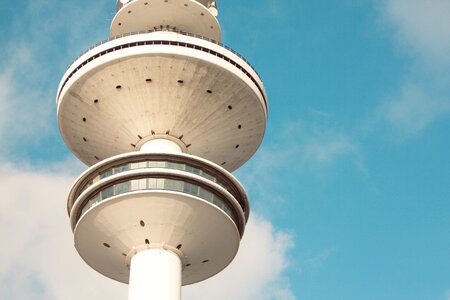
(422, 32)
(421, 27)
(411, 111)
(327, 146)
(447, 295)
(23, 114)
(320, 142)
(32, 63)
(320, 259)
(314, 145)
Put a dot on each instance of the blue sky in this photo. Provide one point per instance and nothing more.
(350, 189)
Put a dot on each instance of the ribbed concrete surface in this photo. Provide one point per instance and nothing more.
(206, 236)
(105, 111)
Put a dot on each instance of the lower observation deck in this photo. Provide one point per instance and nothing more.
(162, 83)
(140, 201)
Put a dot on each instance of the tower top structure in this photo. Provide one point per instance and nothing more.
(196, 17)
(161, 112)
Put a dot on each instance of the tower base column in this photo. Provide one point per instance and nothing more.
(155, 274)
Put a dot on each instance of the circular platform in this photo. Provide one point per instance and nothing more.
(174, 201)
(184, 15)
(204, 236)
(162, 83)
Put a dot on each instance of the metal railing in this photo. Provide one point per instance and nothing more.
(206, 3)
(167, 29)
(167, 42)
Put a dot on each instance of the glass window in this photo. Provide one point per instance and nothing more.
(122, 168)
(190, 189)
(186, 187)
(176, 166)
(216, 200)
(106, 173)
(138, 165)
(205, 194)
(107, 193)
(160, 183)
(207, 176)
(122, 188)
(157, 164)
(173, 185)
(152, 183)
(193, 170)
(91, 203)
(138, 184)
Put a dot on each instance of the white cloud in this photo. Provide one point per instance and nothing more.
(38, 260)
(257, 271)
(422, 26)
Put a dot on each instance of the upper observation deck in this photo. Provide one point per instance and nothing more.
(210, 4)
(128, 90)
(196, 17)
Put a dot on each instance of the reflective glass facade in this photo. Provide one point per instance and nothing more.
(158, 164)
(160, 184)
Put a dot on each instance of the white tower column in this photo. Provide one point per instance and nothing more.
(155, 274)
(161, 146)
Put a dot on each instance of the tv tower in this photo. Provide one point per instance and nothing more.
(162, 112)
